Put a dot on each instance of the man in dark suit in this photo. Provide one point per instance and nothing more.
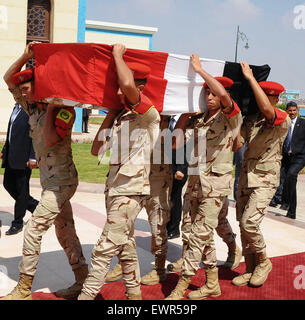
(86, 113)
(292, 163)
(179, 178)
(18, 159)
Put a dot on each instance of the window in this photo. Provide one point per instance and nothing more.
(38, 22)
(38, 26)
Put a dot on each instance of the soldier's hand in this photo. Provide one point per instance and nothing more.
(118, 49)
(1, 155)
(179, 175)
(246, 70)
(32, 164)
(195, 61)
(29, 52)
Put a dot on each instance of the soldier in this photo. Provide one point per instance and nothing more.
(223, 230)
(209, 188)
(50, 130)
(127, 185)
(158, 210)
(264, 133)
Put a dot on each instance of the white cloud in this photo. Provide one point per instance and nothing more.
(245, 7)
(238, 10)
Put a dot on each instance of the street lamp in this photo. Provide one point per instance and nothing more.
(243, 37)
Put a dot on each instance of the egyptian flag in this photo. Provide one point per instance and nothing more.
(82, 74)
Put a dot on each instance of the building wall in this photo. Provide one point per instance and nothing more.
(13, 27)
(130, 40)
(13, 19)
(64, 21)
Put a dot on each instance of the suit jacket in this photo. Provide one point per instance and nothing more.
(298, 137)
(20, 149)
(86, 112)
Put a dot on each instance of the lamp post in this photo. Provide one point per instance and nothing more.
(243, 37)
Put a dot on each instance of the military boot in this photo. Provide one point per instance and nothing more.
(177, 265)
(23, 289)
(211, 287)
(84, 296)
(244, 278)
(115, 274)
(73, 291)
(234, 256)
(262, 269)
(181, 287)
(158, 274)
(134, 296)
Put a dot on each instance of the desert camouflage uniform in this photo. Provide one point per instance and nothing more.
(158, 203)
(259, 177)
(59, 180)
(127, 188)
(209, 188)
(223, 228)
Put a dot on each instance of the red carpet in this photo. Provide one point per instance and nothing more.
(279, 286)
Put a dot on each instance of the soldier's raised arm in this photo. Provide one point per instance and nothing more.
(18, 64)
(214, 85)
(261, 98)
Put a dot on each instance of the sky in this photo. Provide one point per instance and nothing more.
(275, 30)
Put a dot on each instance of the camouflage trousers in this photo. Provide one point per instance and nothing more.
(201, 246)
(223, 228)
(158, 210)
(250, 210)
(117, 239)
(54, 207)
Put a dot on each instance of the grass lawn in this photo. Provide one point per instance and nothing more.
(96, 120)
(86, 164)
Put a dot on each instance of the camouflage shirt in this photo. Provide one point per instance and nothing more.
(133, 139)
(214, 162)
(262, 157)
(55, 163)
(160, 162)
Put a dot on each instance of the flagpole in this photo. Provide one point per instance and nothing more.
(236, 43)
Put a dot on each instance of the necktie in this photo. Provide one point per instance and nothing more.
(287, 141)
(172, 123)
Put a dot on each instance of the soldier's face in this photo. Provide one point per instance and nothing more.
(212, 101)
(273, 100)
(121, 95)
(27, 91)
(292, 112)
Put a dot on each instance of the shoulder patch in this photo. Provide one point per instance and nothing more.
(64, 115)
